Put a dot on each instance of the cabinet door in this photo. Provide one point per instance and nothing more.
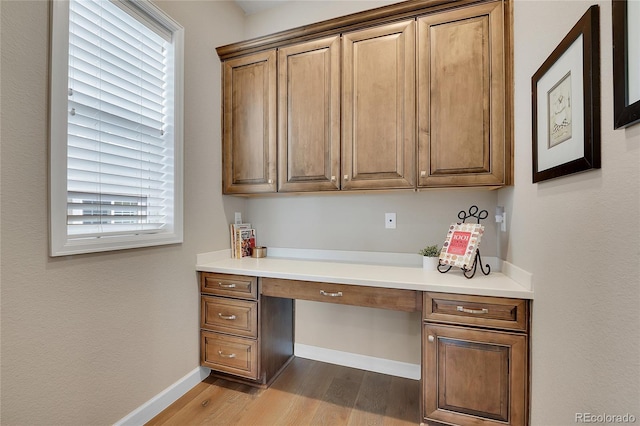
(249, 123)
(309, 116)
(461, 97)
(474, 377)
(378, 107)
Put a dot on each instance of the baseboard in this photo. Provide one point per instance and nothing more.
(362, 362)
(158, 403)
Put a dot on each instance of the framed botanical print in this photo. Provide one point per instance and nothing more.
(626, 62)
(565, 94)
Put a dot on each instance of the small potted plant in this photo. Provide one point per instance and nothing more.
(430, 257)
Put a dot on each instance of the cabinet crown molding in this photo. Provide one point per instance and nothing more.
(355, 21)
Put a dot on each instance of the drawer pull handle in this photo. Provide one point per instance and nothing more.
(431, 339)
(223, 285)
(324, 293)
(223, 355)
(472, 311)
(227, 317)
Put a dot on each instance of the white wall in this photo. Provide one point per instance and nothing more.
(296, 13)
(88, 338)
(356, 221)
(579, 236)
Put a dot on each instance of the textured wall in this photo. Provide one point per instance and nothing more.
(579, 237)
(86, 339)
(356, 221)
(297, 13)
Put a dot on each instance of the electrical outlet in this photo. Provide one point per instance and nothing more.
(501, 218)
(390, 220)
(238, 218)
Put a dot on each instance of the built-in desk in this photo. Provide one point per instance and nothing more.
(375, 271)
(475, 332)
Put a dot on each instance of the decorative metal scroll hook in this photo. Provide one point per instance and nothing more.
(474, 211)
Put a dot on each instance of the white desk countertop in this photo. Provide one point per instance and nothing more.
(366, 274)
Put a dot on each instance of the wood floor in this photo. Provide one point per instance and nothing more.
(306, 393)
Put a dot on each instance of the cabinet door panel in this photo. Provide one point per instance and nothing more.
(474, 376)
(461, 96)
(462, 377)
(309, 116)
(379, 107)
(460, 89)
(249, 111)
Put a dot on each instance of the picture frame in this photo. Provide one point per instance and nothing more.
(565, 93)
(626, 63)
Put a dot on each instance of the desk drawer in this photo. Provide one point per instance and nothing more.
(484, 311)
(345, 294)
(239, 317)
(229, 354)
(240, 286)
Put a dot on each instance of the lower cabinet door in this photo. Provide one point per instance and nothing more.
(474, 377)
(229, 354)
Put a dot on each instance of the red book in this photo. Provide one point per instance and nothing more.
(459, 248)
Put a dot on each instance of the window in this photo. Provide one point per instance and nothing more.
(116, 126)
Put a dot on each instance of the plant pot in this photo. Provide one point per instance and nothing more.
(430, 263)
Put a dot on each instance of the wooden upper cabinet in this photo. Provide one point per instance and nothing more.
(249, 124)
(412, 95)
(309, 116)
(378, 107)
(462, 139)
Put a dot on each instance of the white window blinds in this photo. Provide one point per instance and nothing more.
(120, 131)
